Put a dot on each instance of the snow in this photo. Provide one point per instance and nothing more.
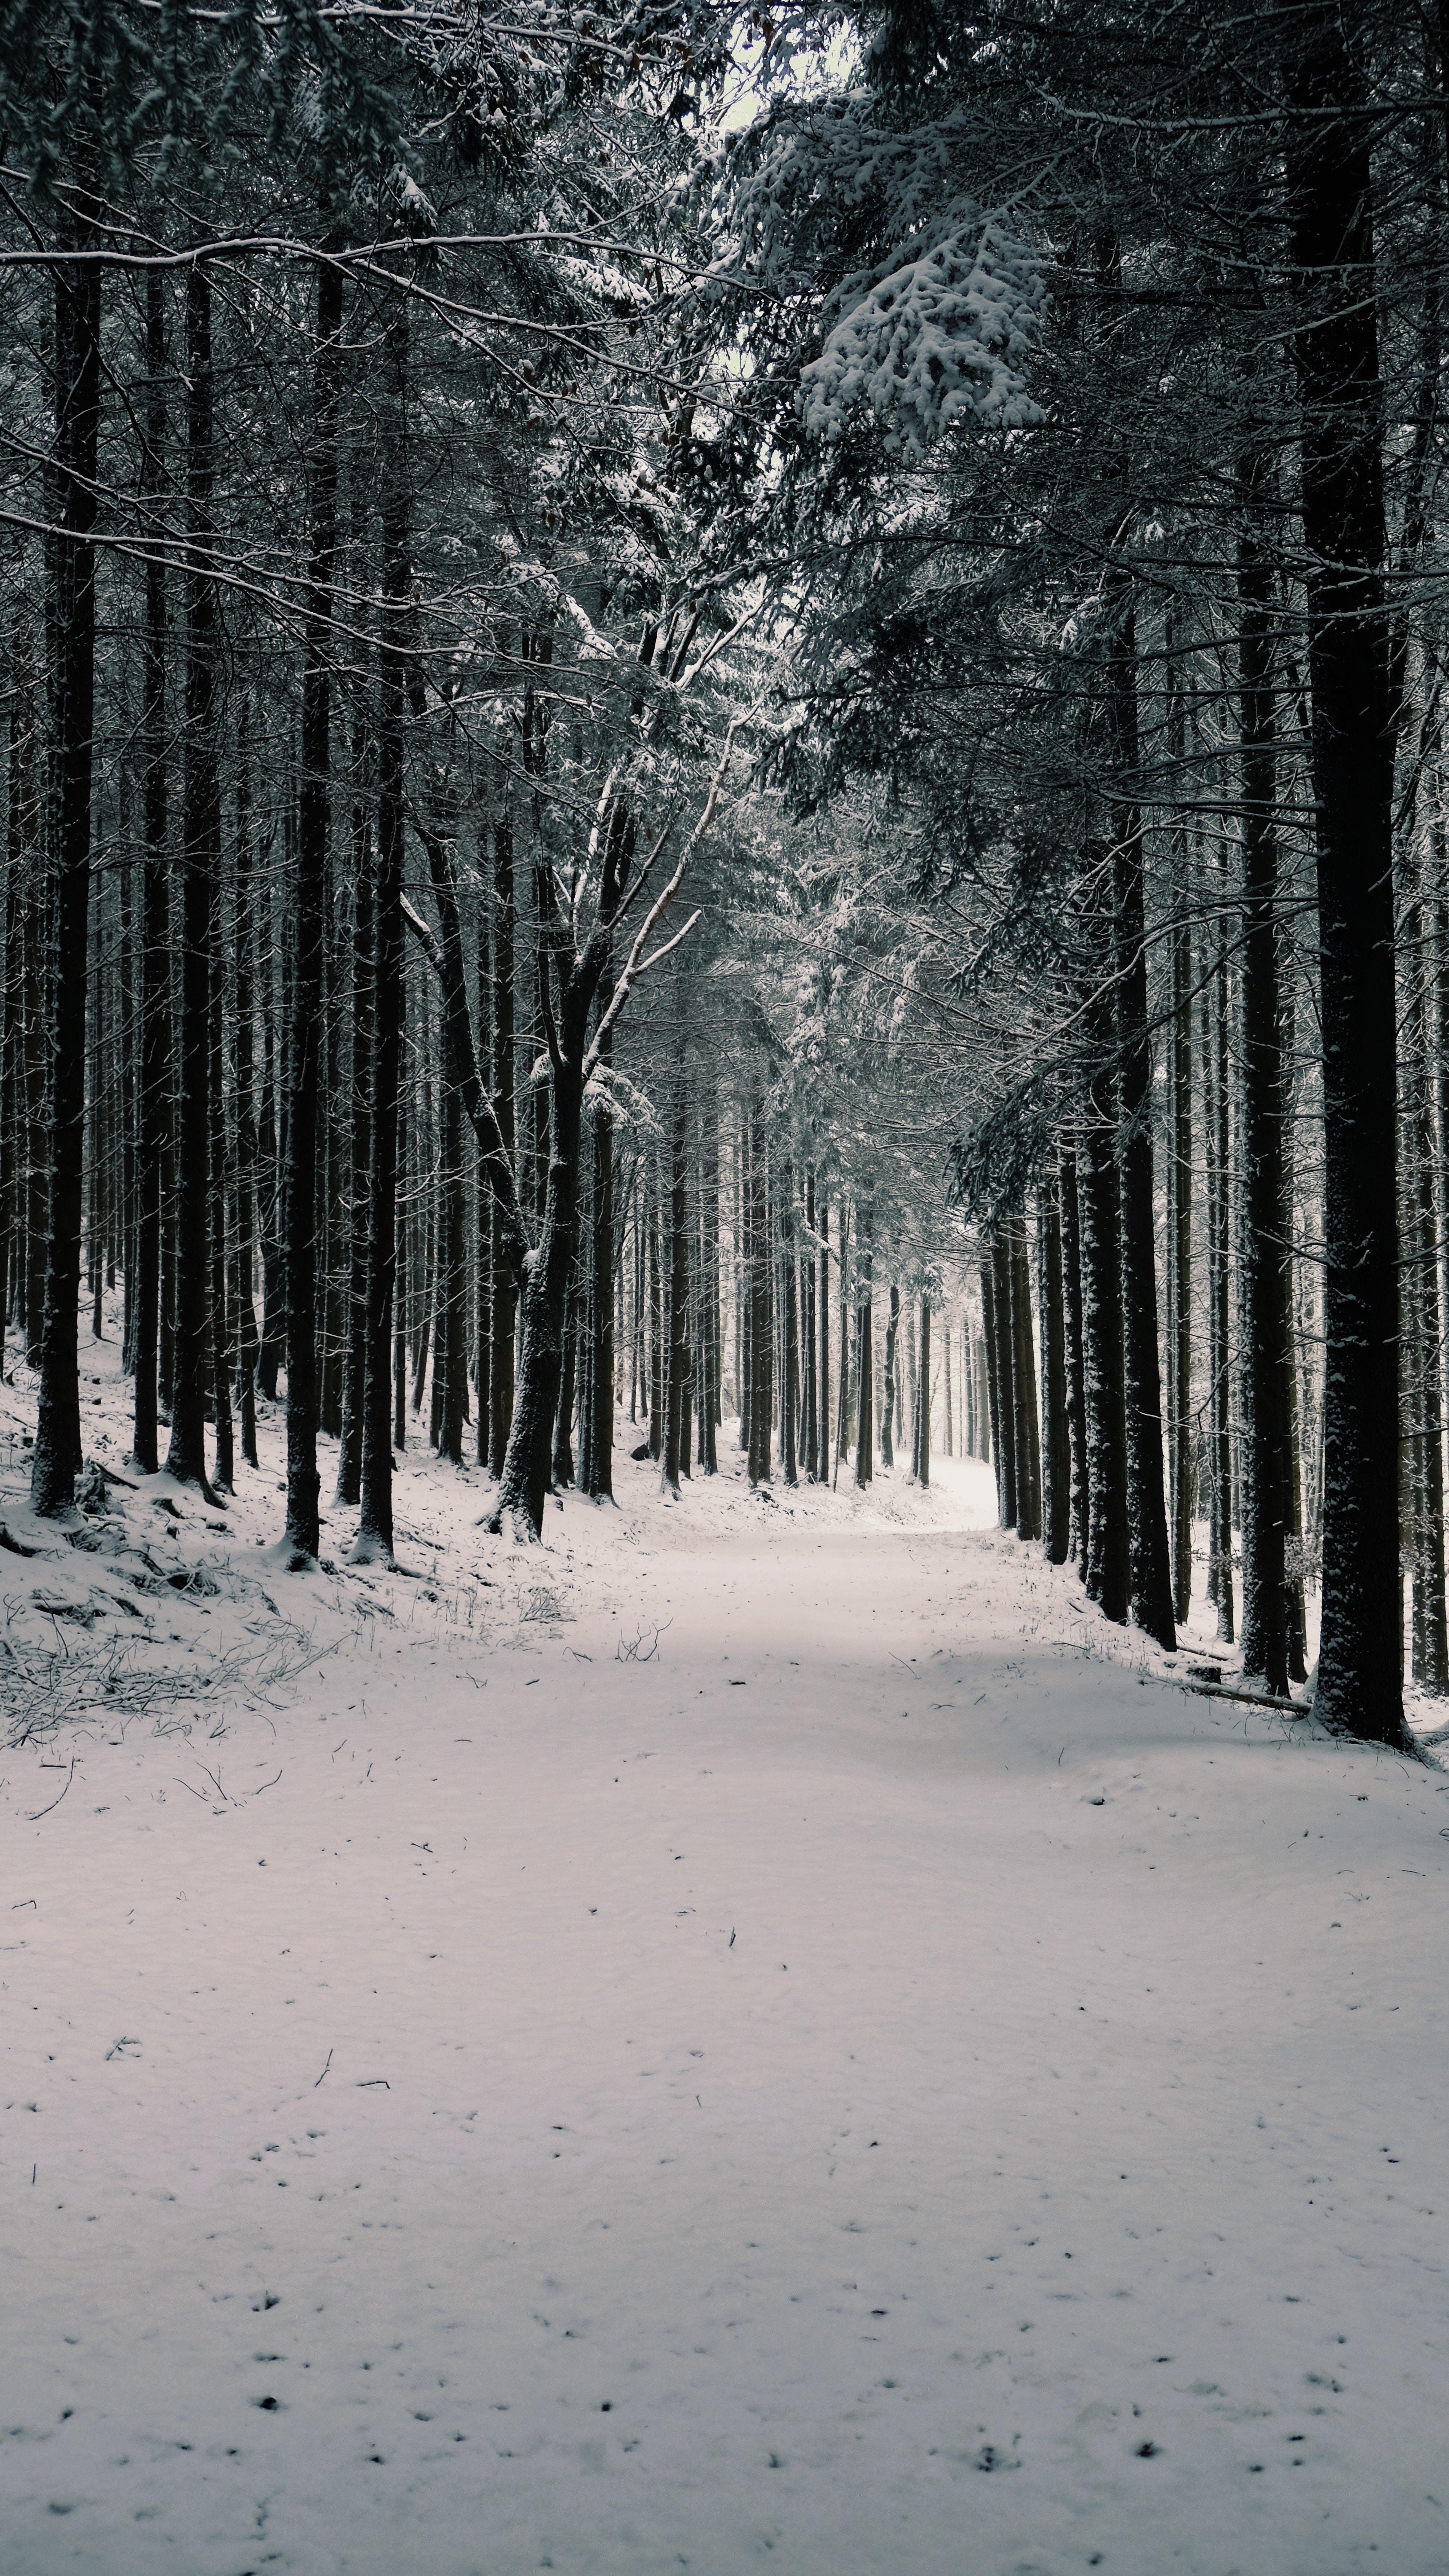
(939, 336)
(760, 2033)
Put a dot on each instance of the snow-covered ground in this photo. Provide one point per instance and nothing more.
(759, 2034)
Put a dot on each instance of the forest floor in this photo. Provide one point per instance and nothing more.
(758, 2034)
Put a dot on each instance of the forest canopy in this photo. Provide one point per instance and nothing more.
(730, 725)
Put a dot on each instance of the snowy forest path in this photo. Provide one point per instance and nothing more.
(872, 2087)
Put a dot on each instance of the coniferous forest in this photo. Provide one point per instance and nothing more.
(724, 794)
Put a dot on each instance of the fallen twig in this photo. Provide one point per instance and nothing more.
(1223, 1690)
(55, 1802)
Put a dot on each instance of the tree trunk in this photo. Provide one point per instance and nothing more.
(450, 1333)
(758, 1292)
(504, 1293)
(313, 832)
(822, 1326)
(923, 1398)
(865, 1371)
(1108, 1559)
(244, 1224)
(1150, 1571)
(155, 916)
(1220, 1544)
(201, 838)
(1329, 199)
(676, 1437)
(1023, 1377)
(1264, 1360)
(1179, 1255)
(1075, 1360)
(709, 1393)
(1056, 1439)
(77, 405)
(354, 1370)
(1005, 1417)
(381, 1397)
(598, 1477)
(790, 1392)
(993, 1382)
(887, 1419)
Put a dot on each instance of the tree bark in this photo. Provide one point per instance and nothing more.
(865, 1344)
(504, 1293)
(354, 1368)
(201, 839)
(155, 913)
(676, 1439)
(1005, 1418)
(1264, 1360)
(313, 832)
(1075, 1360)
(760, 1335)
(375, 1529)
(1108, 1558)
(1150, 1572)
(1023, 1378)
(77, 408)
(887, 1419)
(923, 1399)
(1329, 198)
(1056, 1438)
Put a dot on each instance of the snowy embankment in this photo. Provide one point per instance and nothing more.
(752, 2035)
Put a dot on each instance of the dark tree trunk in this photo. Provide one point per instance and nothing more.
(887, 1420)
(758, 1292)
(790, 1393)
(1220, 1542)
(155, 916)
(1076, 1360)
(1329, 196)
(201, 840)
(676, 1436)
(77, 409)
(1150, 1569)
(1056, 1441)
(244, 1228)
(810, 1388)
(1004, 1415)
(598, 1477)
(1179, 1257)
(822, 1300)
(865, 1346)
(993, 1383)
(923, 1399)
(223, 1345)
(354, 1370)
(1108, 1560)
(375, 1530)
(483, 1198)
(1264, 1355)
(1420, 1381)
(450, 1339)
(709, 1301)
(1023, 1375)
(503, 1292)
(563, 1470)
(313, 821)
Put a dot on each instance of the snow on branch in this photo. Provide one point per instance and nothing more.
(930, 338)
(637, 963)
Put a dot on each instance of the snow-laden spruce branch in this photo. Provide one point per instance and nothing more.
(937, 324)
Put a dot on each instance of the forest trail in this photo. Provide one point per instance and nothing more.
(877, 2086)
